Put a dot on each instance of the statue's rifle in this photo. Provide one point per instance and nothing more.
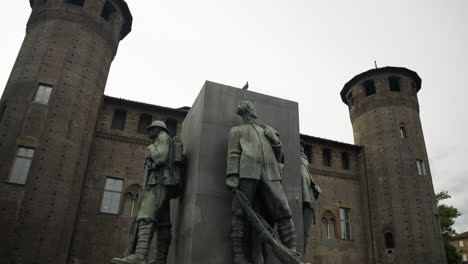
(284, 254)
(134, 223)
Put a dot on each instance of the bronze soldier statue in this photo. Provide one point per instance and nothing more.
(254, 152)
(310, 194)
(161, 183)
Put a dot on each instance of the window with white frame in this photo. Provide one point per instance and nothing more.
(19, 171)
(421, 167)
(345, 223)
(43, 93)
(111, 197)
(460, 243)
(464, 257)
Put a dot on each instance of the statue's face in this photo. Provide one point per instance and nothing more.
(153, 132)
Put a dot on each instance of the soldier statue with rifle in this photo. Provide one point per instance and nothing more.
(161, 183)
(310, 194)
(253, 173)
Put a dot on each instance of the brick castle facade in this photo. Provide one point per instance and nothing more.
(71, 157)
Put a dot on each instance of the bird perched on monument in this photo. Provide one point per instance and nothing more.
(246, 86)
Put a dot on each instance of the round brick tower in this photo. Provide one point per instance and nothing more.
(48, 115)
(384, 112)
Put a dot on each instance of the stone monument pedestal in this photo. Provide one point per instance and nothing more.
(202, 214)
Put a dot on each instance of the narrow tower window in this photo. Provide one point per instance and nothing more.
(345, 160)
(326, 156)
(394, 84)
(108, 11)
(2, 111)
(75, 2)
(369, 87)
(172, 126)
(403, 132)
(421, 167)
(389, 242)
(345, 223)
(350, 99)
(19, 171)
(143, 123)
(111, 197)
(464, 258)
(43, 93)
(118, 122)
(460, 243)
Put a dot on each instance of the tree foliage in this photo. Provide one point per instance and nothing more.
(447, 216)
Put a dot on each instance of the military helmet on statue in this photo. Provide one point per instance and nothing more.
(158, 123)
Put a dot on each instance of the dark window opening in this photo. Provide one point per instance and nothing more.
(172, 126)
(326, 153)
(414, 86)
(403, 132)
(308, 152)
(350, 99)
(389, 242)
(2, 111)
(118, 122)
(108, 11)
(143, 123)
(369, 87)
(345, 160)
(394, 84)
(75, 2)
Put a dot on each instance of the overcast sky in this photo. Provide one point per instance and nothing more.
(301, 50)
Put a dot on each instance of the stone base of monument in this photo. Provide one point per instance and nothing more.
(202, 215)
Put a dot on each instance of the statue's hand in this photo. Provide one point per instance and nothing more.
(232, 181)
(271, 135)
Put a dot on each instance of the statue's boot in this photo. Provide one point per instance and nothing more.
(238, 251)
(163, 244)
(287, 233)
(145, 234)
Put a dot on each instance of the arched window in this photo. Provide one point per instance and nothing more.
(130, 204)
(403, 133)
(328, 226)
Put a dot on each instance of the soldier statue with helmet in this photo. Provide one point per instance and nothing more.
(162, 181)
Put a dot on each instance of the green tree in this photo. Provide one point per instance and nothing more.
(447, 216)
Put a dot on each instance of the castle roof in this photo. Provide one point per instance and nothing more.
(383, 70)
(462, 235)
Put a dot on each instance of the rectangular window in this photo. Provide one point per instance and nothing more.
(345, 223)
(421, 167)
(108, 11)
(464, 257)
(369, 87)
(326, 156)
(345, 160)
(111, 198)
(394, 84)
(118, 121)
(172, 126)
(75, 2)
(461, 243)
(43, 93)
(143, 123)
(19, 171)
